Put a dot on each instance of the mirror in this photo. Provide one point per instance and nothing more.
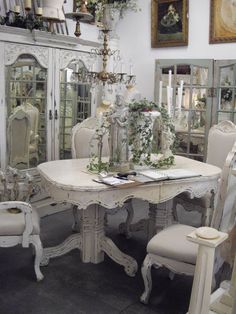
(26, 90)
(75, 103)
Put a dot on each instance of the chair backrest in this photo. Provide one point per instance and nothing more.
(224, 216)
(18, 138)
(221, 139)
(83, 139)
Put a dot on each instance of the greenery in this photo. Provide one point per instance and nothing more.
(140, 136)
(96, 7)
(140, 133)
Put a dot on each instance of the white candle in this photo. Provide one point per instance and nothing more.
(27, 4)
(131, 69)
(179, 99)
(39, 11)
(170, 73)
(180, 93)
(17, 9)
(160, 92)
(121, 67)
(169, 99)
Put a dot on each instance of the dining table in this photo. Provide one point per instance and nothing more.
(69, 181)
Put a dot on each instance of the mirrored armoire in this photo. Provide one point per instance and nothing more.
(43, 95)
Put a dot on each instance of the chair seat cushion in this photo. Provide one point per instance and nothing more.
(14, 224)
(172, 243)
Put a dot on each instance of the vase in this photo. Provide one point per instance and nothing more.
(110, 19)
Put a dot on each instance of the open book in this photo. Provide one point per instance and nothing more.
(159, 175)
(117, 182)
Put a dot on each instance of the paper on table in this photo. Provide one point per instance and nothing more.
(158, 175)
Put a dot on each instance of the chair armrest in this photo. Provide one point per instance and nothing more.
(27, 211)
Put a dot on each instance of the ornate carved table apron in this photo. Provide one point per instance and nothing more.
(68, 181)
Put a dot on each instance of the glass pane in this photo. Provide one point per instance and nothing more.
(222, 116)
(75, 103)
(200, 76)
(26, 121)
(198, 121)
(197, 142)
(199, 98)
(181, 121)
(182, 140)
(227, 76)
(186, 98)
(183, 73)
(226, 99)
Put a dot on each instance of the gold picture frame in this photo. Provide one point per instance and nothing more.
(222, 23)
(169, 23)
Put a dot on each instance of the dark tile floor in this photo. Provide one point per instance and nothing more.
(71, 287)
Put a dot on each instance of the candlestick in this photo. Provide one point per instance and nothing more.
(17, 9)
(27, 4)
(170, 73)
(39, 11)
(160, 92)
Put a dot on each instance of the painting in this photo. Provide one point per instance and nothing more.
(169, 23)
(222, 21)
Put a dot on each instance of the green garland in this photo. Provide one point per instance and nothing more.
(140, 135)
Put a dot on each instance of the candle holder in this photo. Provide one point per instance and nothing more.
(79, 16)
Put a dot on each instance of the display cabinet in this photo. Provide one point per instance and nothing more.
(209, 97)
(41, 96)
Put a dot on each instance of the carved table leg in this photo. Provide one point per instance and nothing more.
(71, 243)
(75, 226)
(92, 242)
(116, 255)
(160, 216)
(124, 227)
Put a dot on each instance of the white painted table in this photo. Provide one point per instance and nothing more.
(68, 181)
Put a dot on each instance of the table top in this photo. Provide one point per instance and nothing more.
(68, 180)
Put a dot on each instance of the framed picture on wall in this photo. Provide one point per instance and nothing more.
(222, 21)
(169, 23)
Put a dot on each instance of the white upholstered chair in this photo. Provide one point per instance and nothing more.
(84, 144)
(18, 134)
(221, 139)
(33, 113)
(82, 138)
(19, 221)
(170, 248)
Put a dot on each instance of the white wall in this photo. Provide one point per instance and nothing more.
(135, 42)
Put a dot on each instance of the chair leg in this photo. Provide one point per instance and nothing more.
(147, 278)
(38, 256)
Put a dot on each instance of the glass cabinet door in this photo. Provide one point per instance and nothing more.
(193, 119)
(225, 84)
(26, 90)
(75, 103)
